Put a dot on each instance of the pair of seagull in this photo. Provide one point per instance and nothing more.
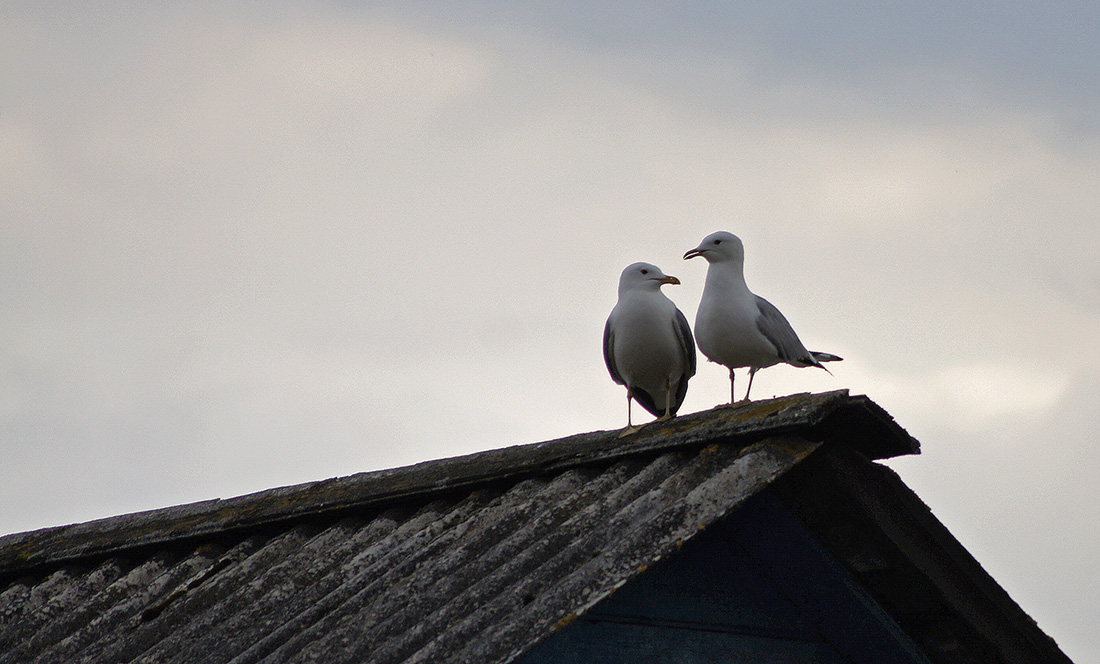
(648, 346)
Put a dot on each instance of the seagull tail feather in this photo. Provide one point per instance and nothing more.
(819, 357)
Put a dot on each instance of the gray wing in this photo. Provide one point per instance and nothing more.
(774, 326)
(687, 343)
(687, 350)
(609, 353)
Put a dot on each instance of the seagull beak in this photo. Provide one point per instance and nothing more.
(693, 253)
(669, 280)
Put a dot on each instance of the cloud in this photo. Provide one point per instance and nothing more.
(246, 187)
(970, 397)
(245, 247)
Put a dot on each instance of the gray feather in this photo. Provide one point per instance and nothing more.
(609, 354)
(775, 328)
(687, 344)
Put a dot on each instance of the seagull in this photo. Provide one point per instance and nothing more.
(736, 328)
(647, 343)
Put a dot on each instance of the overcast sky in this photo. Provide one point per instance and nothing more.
(245, 245)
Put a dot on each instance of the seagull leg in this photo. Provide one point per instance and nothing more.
(668, 402)
(630, 428)
(733, 399)
(752, 372)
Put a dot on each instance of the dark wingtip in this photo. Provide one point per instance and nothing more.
(646, 401)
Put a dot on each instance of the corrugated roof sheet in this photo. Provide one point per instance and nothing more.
(856, 420)
(471, 559)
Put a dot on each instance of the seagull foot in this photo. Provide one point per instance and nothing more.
(629, 430)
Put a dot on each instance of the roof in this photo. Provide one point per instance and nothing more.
(482, 557)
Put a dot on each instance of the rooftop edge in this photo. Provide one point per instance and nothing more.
(830, 416)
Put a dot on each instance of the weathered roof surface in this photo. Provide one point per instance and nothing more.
(471, 559)
(833, 414)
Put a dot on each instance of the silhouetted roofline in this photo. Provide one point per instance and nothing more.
(482, 557)
(889, 540)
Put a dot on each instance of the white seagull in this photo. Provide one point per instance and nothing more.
(736, 328)
(647, 343)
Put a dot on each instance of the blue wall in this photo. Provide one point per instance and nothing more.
(755, 587)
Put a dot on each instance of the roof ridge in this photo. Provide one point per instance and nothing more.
(825, 416)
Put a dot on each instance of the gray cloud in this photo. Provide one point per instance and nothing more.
(247, 249)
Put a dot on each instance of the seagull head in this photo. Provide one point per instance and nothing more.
(719, 247)
(644, 276)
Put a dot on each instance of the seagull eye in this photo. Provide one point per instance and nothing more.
(717, 242)
(645, 271)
